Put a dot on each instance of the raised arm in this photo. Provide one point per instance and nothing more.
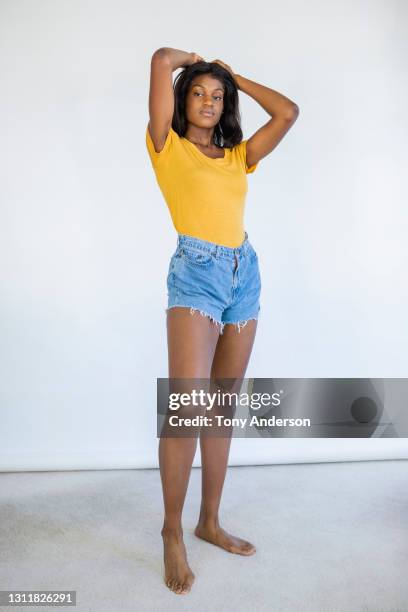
(283, 114)
(161, 95)
(282, 110)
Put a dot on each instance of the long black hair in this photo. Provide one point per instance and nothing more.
(227, 132)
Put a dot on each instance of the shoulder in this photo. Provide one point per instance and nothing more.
(170, 142)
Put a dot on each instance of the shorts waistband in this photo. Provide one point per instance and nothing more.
(211, 247)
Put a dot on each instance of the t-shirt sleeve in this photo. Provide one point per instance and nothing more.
(158, 157)
(241, 149)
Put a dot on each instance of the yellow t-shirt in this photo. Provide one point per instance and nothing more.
(205, 196)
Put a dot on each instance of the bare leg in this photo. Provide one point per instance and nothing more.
(191, 345)
(230, 361)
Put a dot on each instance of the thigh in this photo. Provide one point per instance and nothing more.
(233, 351)
(229, 365)
(191, 341)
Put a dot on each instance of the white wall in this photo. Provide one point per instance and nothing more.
(86, 237)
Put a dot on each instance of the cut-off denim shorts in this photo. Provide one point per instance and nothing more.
(223, 283)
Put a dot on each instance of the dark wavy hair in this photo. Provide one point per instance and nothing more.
(227, 132)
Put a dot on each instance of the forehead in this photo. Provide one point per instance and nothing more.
(207, 82)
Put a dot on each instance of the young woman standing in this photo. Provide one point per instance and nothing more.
(194, 140)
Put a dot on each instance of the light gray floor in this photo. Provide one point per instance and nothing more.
(330, 537)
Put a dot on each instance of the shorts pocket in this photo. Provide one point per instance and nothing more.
(197, 258)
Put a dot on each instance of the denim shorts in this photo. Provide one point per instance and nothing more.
(223, 283)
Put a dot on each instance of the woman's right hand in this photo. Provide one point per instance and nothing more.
(194, 57)
(178, 58)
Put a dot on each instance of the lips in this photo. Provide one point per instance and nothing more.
(207, 113)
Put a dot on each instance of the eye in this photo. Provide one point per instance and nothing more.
(199, 93)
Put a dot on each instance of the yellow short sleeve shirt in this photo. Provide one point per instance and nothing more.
(205, 196)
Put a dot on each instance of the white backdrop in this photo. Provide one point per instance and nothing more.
(86, 236)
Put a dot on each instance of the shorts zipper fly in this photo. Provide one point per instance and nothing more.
(235, 277)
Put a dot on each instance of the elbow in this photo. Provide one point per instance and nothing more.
(160, 54)
(293, 112)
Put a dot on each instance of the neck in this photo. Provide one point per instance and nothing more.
(200, 135)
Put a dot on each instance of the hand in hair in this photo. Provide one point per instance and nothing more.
(230, 70)
(194, 57)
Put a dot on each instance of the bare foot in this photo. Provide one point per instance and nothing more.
(178, 575)
(218, 536)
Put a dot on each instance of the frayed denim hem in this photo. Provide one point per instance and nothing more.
(203, 314)
(239, 324)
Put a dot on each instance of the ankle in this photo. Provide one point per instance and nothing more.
(172, 530)
(209, 520)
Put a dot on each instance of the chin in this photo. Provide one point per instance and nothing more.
(209, 120)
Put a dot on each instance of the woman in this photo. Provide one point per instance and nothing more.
(194, 140)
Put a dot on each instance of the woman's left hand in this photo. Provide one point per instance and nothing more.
(230, 70)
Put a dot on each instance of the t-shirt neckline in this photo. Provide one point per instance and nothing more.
(212, 159)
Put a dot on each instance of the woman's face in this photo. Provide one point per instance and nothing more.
(205, 95)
